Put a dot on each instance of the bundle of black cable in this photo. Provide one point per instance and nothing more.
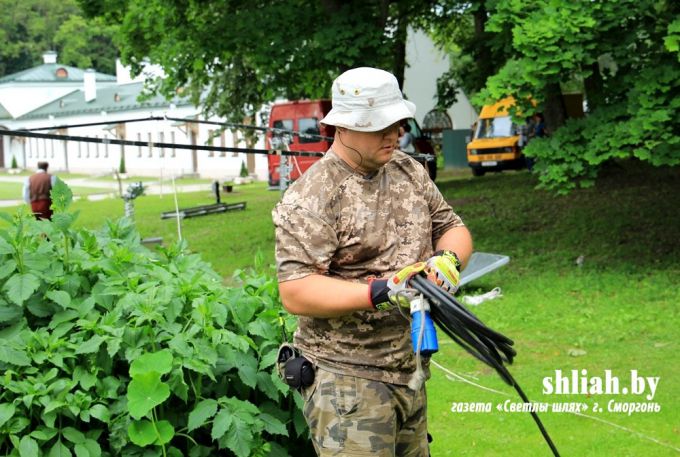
(471, 334)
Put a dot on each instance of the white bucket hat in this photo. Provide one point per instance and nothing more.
(367, 100)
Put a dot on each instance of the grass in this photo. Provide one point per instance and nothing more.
(13, 190)
(618, 310)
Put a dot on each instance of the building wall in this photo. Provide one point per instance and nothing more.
(426, 63)
(148, 160)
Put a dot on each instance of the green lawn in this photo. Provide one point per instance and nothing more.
(618, 310)
(13, 190)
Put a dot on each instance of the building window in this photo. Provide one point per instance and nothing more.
(172, 140)
(161, 139)
(80, 149)
(139, 148)
(150, 141)
(106, 149)
(97, 147)
(51, 149)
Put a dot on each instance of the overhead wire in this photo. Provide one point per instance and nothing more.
(85, 139)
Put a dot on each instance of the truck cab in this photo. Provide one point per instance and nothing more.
(303, 117)
(496, 141)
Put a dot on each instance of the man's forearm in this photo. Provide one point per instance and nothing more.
(321, 296)
(458, 240)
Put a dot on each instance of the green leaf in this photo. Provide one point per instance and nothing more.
(237, 341)
(159, 362)
(142, 433)
(5, 247)
(247, 369)
(165, 431)
(62, 316)
(90, 346)
(60, 297)
(178, 386)
(85, 378)
(221, 423)
(6, 412)
(240, 438)
(44, 433)
(265, 383)
(100, 412)
(59, 450)
(20, 287)
(146, 391)
(7, 268)
(73, 435)
(273, 425)
(81, 450)
(61, 196)
(28, 447)
(93, 448)
(13, 356)
(203, 411)
(269, 359)
(10, 313)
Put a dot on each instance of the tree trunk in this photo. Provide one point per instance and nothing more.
(400, 49)
(555, 111)
(594, 86)
(483, 55)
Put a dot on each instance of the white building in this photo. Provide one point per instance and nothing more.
(425, 63)
(52, 95)
(88, 97)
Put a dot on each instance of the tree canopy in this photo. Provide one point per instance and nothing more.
(236, 56)
(622, 55)
(28, 28)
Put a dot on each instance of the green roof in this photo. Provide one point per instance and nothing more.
(4, 114)
(110, 99)
(53, 72)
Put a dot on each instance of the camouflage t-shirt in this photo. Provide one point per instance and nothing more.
(337, 222)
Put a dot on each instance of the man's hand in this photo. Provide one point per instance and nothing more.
(384, 293)
(443, 269)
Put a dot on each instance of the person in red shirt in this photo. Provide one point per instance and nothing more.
(37, 192)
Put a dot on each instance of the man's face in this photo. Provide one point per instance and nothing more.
(376, 148)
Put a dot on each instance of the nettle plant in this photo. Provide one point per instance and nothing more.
(107, 348)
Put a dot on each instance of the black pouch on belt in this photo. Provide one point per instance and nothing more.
(294, 369)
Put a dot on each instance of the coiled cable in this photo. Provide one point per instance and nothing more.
(483, 343)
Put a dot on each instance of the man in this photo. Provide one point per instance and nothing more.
(37, 192)
(364, 211)
(406, 139)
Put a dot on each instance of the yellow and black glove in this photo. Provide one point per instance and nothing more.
(442, 269)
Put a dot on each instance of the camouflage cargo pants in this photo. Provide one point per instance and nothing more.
(351, 416)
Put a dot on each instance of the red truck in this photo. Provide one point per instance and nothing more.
(303, 116)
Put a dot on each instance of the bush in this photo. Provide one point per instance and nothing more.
(14, 162)
(121, 166)
(110, 349)
(244, 170)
